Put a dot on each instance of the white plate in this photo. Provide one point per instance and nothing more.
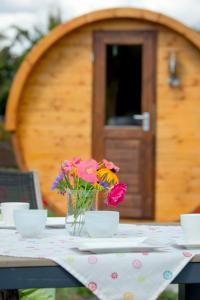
(53, 222)
(58, 222)
(114, 245)
(5, 226)
(188, 245)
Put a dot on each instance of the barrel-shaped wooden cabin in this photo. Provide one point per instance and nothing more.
(122, 84)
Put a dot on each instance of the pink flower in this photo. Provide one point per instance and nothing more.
(87, 170)
(116, 195)
(68, 165)
(110, 165)
(76, 161)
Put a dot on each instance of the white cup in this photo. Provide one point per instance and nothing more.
(30, 223)
(101, 223)
(7, 209)
(190, 224)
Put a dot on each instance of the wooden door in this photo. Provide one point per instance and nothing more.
(124, 93)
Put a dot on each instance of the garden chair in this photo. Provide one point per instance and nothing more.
(16, 186)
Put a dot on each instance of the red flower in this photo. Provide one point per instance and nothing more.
(116, 195)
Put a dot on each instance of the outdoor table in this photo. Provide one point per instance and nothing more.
(21, 273)
(18, 273)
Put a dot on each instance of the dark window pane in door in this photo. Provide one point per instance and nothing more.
(123, 84)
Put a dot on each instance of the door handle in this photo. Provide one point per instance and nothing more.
(145, 120)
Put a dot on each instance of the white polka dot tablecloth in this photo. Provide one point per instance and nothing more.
(111, 276)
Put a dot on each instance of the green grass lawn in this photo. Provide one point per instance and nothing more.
(85, 294)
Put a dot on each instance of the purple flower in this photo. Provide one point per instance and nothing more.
(105, 185)
(54, 185)
(57, 180)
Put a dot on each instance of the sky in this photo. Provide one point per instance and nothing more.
(29, 13)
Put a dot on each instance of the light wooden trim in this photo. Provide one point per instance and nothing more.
(36, 53)
(18, 153)
(37, 189)
(13, 262)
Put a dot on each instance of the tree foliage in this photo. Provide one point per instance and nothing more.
(10, 62)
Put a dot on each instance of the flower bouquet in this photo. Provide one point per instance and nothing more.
(83, 181)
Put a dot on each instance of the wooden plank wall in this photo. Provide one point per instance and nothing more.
(178, 131)
(55, 115)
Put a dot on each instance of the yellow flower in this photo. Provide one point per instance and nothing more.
(107, 175)
(97, 186)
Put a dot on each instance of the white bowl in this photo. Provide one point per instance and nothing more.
(7, 209)
(101, 223)
(30, 223)
(190, 224)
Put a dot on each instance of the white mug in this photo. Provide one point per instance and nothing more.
(190, 224)
(30, 223)
(7, 209)
(101, 223)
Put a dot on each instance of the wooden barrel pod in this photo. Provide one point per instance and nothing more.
(83, 90)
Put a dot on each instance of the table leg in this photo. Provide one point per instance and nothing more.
(9, 295)
(189, 291)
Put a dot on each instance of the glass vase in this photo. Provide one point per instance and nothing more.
(78, 202)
